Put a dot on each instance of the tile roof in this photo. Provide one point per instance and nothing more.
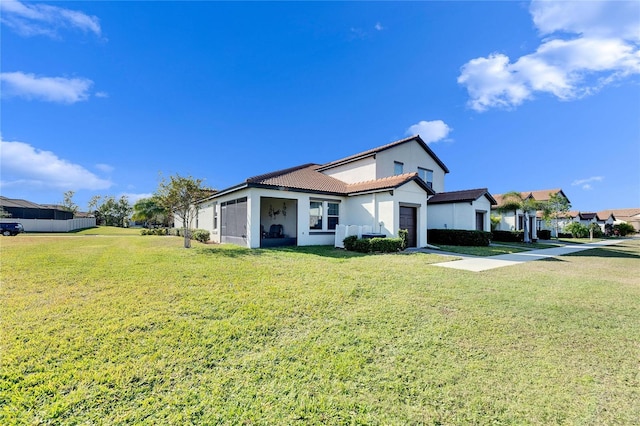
(538, 195)
(461, 196)
(373, 151)
(307, 178)
(589, 216)
(620, 213)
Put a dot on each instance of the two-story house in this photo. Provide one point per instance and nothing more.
(385, 188)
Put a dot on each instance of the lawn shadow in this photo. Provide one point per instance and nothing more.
(229, 251)
(551, 259)
(322, 251)
(606, 252)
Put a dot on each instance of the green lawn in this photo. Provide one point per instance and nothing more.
(137, 330)
(481, 250)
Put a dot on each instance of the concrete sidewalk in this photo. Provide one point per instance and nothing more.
(477, 264)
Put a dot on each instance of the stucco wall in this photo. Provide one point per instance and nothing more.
(357, 171)
(412, 155)
(459, 215)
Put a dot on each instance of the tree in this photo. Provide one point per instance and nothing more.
(514, 201)
(577, 229)
(150, 211)
(112, 212)
(4, 213)
(179, 196)
(68, 204)
(556, 207)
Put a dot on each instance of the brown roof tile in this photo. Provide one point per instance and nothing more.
(390, 182)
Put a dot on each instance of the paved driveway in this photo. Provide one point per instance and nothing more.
(477, 264)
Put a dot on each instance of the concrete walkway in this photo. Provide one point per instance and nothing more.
(477, 264)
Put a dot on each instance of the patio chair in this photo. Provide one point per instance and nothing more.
(276, 231)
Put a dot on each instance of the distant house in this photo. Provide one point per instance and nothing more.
(630, 216)
(23, 209)
(383, 189)
(42, 218)
(467, 209)
(514, 221)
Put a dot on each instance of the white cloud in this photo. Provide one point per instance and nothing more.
(587, 181)
(106, 168)
(378, 26)
(30, 168)
(603, 48)
(43, 19)
(51, 89)
(430, 131)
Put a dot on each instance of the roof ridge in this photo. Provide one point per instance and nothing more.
(278, 172)
(387, 178)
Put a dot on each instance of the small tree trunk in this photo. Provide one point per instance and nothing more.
(526, 228)
(187, 238)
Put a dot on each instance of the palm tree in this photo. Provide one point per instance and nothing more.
(514, 201)
(149, 210)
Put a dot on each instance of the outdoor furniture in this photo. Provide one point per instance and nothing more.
(276, 231)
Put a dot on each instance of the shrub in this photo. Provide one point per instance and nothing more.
(507, 236)
(596, 230)
(623, 229)
(350, 242)
(544, 234)
(577, 230)
(362, 245)
(459, 237)
(564, 235)
(403, 234)
(154, 231)
(201, 235)
(386, 245)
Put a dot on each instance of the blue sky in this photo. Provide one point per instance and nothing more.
(103, 98)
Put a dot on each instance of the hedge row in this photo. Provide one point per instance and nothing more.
(458, 237)
(508, 236)
(375, 245)
(201, 235)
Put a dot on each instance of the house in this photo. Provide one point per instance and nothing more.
(514, 221)
(630, 216)
(467, 209)
(42, 218)
(384, 189)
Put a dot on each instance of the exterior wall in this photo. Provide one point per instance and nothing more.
(412, 155)
(410, 194)
(357, 171)
(459, 215)
(52, 225)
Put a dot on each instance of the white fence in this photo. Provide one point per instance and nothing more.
(343, 231)
(51, 225)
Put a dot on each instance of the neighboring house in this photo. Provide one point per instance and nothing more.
(514, 221)
(630, 216)
(384, 189)
(468, 209)
(42, 218)
(22, 209)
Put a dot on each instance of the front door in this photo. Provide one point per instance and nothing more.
(408, 216)
(479, 221)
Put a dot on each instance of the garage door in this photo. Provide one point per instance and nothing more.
(408, 216)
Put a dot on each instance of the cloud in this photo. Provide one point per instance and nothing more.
(586, 183)
(430, 131)
(51, 89)
(589, 46)
(378, 26)
(106, 168)
(27, 167)
(43, 19)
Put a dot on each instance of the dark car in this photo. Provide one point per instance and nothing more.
(11, 228)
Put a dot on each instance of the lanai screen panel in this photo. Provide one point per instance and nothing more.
(233, 226)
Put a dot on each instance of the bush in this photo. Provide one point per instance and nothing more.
(154, 231)
(386, 245)
(350, 242)
(507, 236)
(362, 245)
(564, 235)
(623, 229)
(459, 237)
(577, 230)
(403, 234)
(544, 234)
(201, 235)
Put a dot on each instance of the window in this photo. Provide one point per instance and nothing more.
(426, 175)
(398, 168)
(315, 215)
(333, 211)
(318, 220)
(215, 216)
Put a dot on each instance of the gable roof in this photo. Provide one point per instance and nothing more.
(374, 151)
(589, 216)
(538, 195)
(620, 213)
(307, 178)
(461, 196)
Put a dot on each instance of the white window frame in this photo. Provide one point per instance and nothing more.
(324, 215)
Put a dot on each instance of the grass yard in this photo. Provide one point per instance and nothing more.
(137, 330)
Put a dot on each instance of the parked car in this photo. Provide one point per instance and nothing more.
(11, 228)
